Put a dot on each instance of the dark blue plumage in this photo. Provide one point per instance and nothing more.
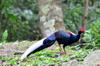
(62, 37)
(67, 38)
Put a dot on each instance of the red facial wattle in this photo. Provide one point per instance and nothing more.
(82, 29)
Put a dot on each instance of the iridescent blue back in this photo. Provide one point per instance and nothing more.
(66, 38)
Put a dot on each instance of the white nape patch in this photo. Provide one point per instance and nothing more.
(32, 48)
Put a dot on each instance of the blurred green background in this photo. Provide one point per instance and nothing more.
(19, 19)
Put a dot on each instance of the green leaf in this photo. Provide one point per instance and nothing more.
(4, 36)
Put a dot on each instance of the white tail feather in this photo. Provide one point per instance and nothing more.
(32, 48)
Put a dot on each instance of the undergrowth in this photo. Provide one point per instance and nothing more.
(48, 57)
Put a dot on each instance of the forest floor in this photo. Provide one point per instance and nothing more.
(11, 52)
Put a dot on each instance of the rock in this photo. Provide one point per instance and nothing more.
(70, 63)
(16, 42)
(93, 59)
(1, 63)
(65, 64)
(80, 65)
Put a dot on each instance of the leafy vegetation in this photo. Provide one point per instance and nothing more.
(19, 18)
(95, 30)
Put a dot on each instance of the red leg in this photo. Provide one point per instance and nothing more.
(62, 50)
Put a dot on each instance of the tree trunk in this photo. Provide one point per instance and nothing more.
(84, 24)
(51, 16)
(86, 6)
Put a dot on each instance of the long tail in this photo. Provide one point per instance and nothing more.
(32, 48)
(40, 45)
